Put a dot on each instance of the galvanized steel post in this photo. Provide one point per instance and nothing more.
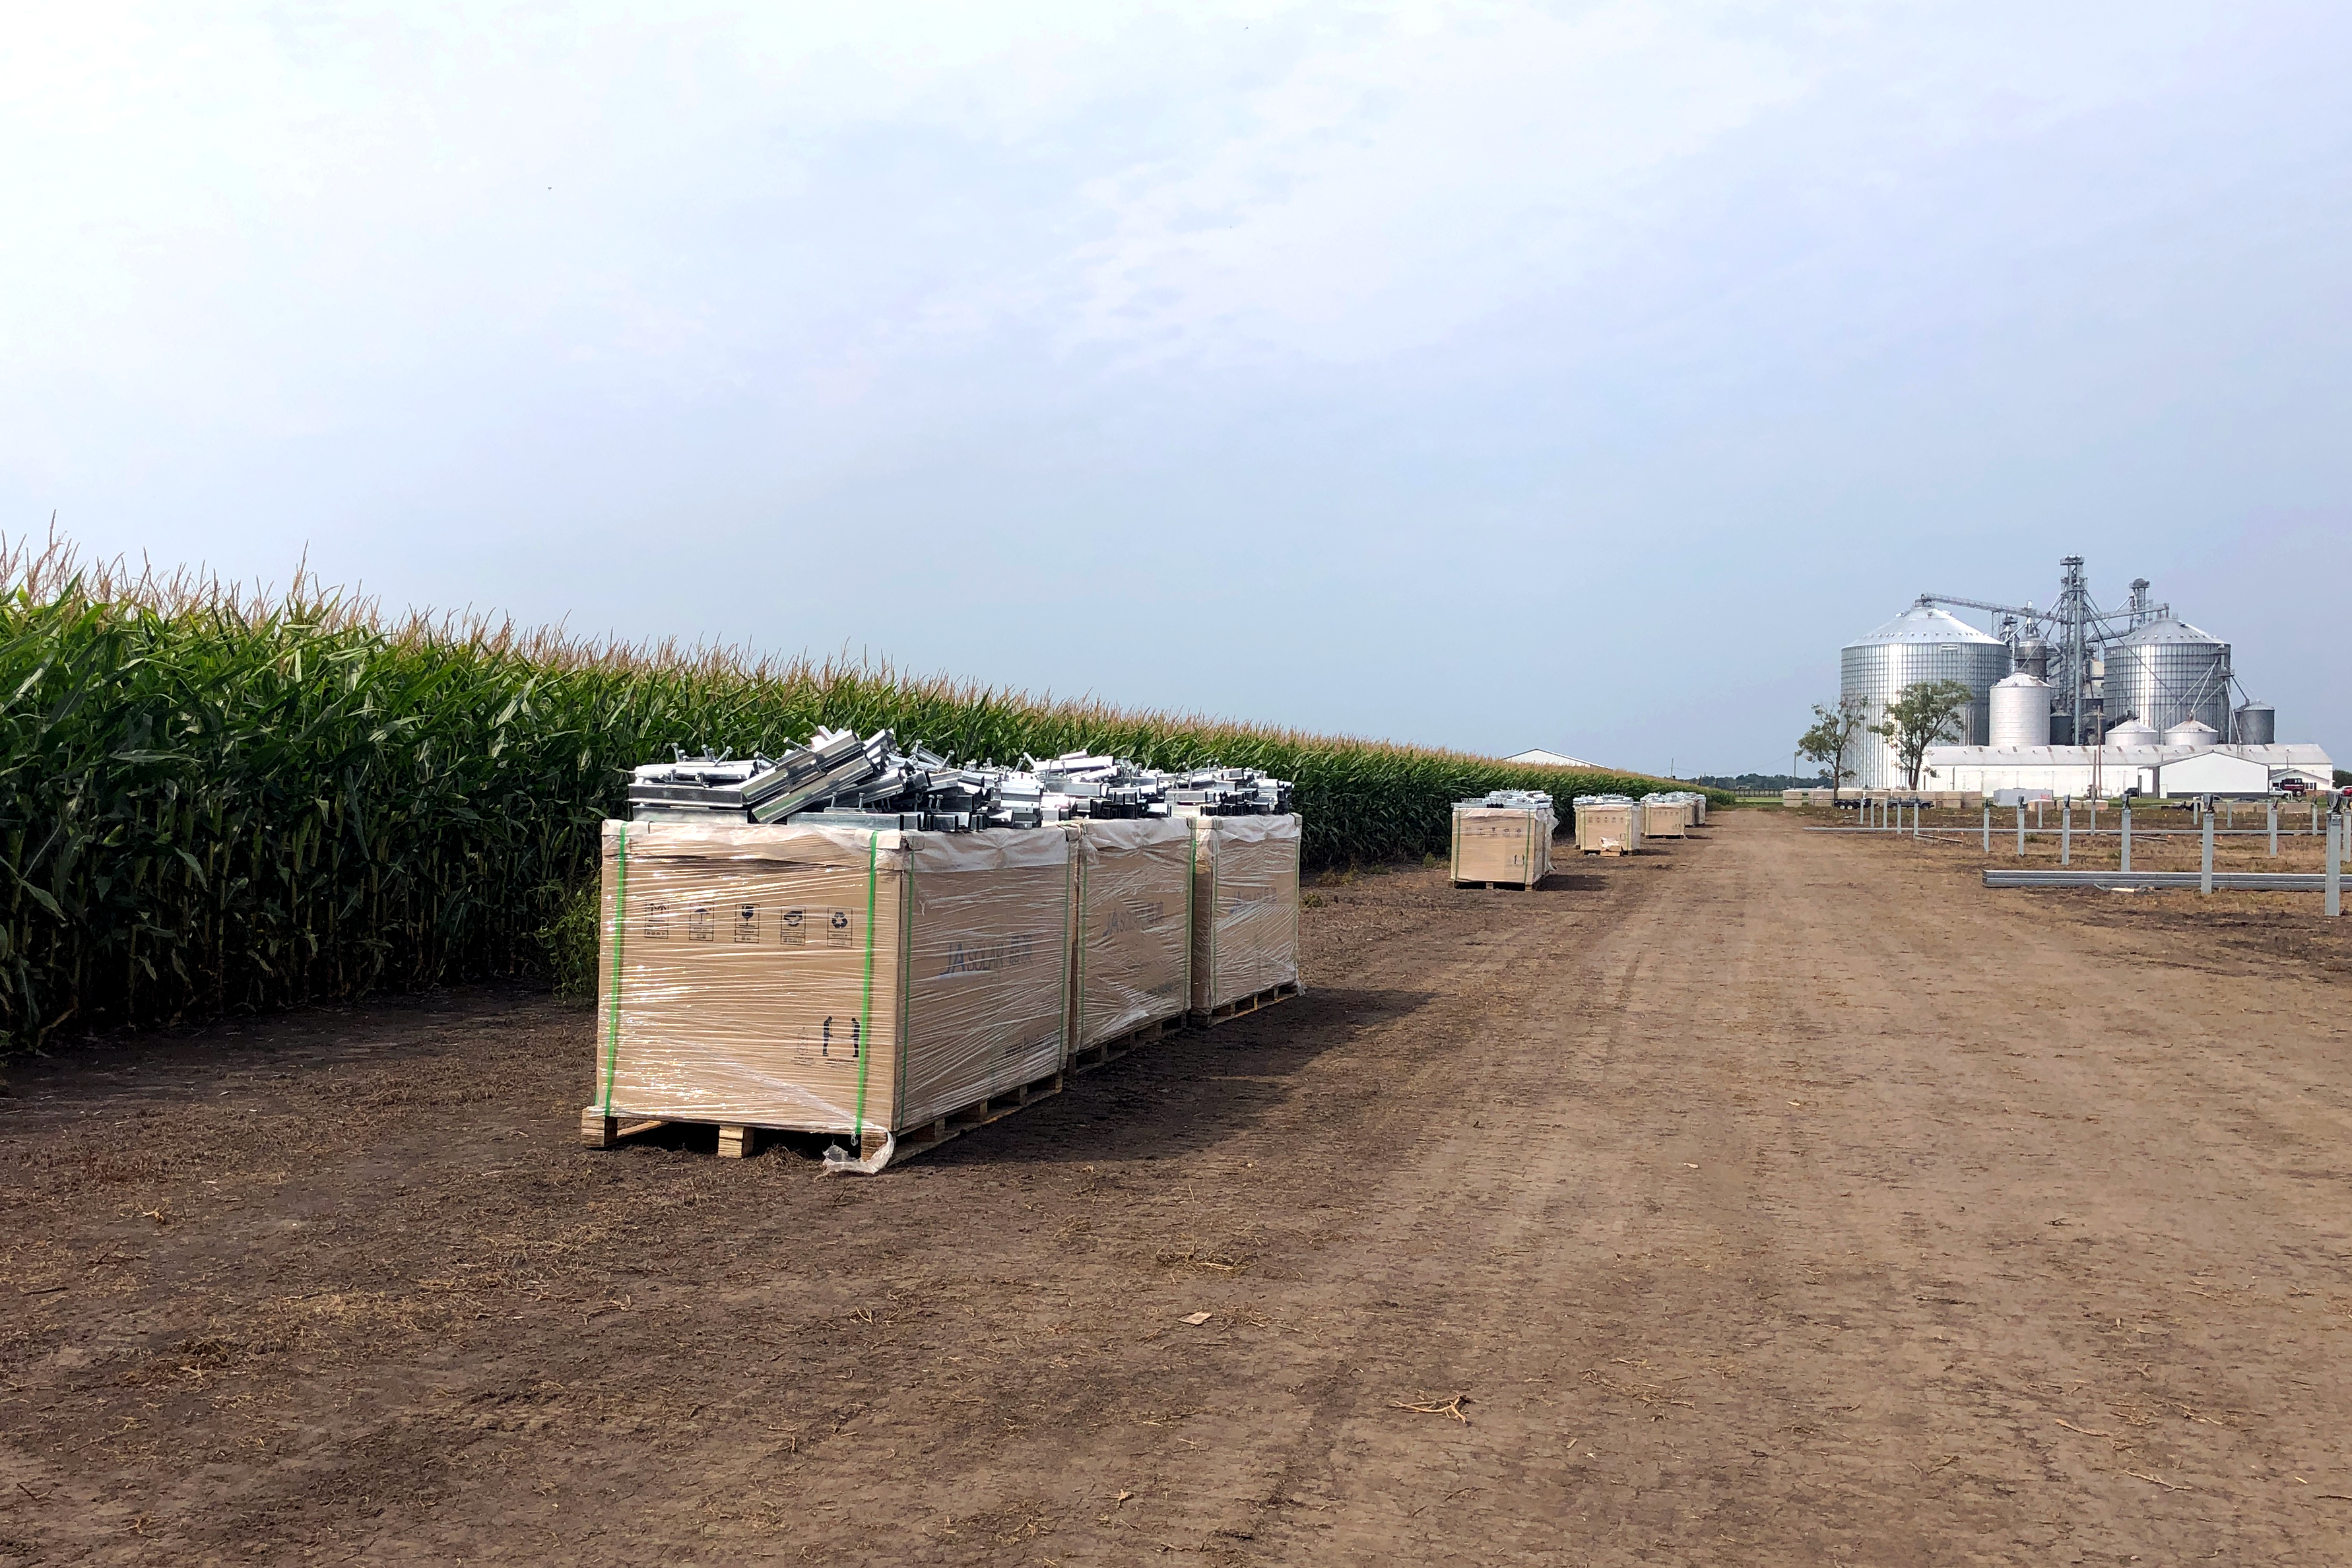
(2334, 864)
(1988, 828)
(2066, 831)
(2020, 830)
(2205, 868)
(2127, 865)
(2273, 830)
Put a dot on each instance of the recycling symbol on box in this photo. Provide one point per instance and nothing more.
(840, 919)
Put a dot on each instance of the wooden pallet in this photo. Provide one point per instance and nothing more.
(922, 1140)
(1110, 1050)
(1511, 887)
(1242, 1006)
(598, 1131)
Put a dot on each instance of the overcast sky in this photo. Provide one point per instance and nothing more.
(1491, 375)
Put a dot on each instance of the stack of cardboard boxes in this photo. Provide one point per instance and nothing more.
(892, 988)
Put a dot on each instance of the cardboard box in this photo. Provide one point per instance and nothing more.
(1612, 827)
(829, 980)
(1133, 963)
(1502, 843)
(1665, 818)
(1244, 907)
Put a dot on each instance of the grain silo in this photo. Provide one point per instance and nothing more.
(1923, 643)
(2190, 733)
(2166, 672)
(2019, 708)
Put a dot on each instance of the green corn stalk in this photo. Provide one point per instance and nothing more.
(213, 804)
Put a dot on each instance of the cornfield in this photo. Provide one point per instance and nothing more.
(215, 802)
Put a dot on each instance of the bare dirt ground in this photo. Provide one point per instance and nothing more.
(1775, 1198)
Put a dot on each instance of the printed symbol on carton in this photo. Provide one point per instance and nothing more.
(788, 930)
(700, 926)
(854, 1042)
(657, 921)
(837, 929)
(983, 957)
(747, 923)
(1133, 917)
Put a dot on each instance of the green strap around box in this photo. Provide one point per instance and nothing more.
(1191, 871)
(620, 930)
(866, 1007)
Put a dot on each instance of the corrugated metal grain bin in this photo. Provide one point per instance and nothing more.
(1133, 965)
(880, 986)
(1504, 844)
(1244, 907)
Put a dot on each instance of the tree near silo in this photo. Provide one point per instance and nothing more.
(1831, 737)
(1920, 716)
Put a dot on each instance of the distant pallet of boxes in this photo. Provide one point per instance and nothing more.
(1672, 813)
(1608, 824)
(890, 949)
(1503, 839)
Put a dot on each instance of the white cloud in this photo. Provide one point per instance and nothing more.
(1417, 179)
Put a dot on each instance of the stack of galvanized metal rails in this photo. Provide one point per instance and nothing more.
(837, 780)
(1503, 839)
(888, 948)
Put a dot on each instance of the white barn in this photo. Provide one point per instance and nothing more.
(2075, 771)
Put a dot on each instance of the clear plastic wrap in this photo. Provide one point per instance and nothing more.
(1134, 958)
(1502, 843)
(826, 979)
(1611, 827)
(1244, 907)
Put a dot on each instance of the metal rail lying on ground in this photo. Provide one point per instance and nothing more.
(2235, 881)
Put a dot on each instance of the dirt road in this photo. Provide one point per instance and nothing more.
(1773, 1198)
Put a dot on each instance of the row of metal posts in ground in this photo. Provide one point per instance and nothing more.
(1886, 814)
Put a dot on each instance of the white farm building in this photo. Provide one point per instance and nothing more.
(2108, 771)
